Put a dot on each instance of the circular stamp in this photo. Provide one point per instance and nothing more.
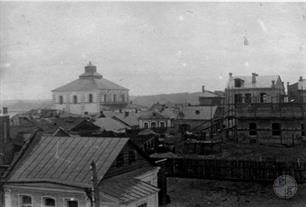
(285, 186)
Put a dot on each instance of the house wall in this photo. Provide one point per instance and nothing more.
(167, 123)
(151, 201)
(12, 195)
(211, 101)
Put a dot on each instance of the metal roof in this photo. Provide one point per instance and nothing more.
(127, 189)
(109, 124)
(89, 85)
(67, 160)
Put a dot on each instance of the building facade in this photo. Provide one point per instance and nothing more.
(254, 89)
(90, 94)
(125, 177)
(297, 91)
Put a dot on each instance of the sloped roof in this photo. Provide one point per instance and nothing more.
(208, 94)
(151, 115)
(198, 112)
(83, 84)
(66, 160)
(147, 132)
(109, 124)
(262, 81)
(131, 118)
(127, 189)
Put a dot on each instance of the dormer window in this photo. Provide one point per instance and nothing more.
(238, 83)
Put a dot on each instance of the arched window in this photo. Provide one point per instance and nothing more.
(75, 99)
(153, 124)
(90, 98)
(48, 202)
(146, 125)
(61, 100)
(26, 201)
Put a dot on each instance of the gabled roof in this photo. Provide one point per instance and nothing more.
(198, 112)
(66, 160)
(262, 81)
(127, 189)
(110, 124)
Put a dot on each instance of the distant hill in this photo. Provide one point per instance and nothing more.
(26, 105)
(174, 98)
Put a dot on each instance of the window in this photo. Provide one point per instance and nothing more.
(238, 98)
(142, 205)
(61, 100)
(162, 124)
(122, 98)
(302, 130)
(248, 98)
(238, 83)
(252, 129)
(114, 98)
(262, 97)
(48, 202)
(276, 129)
(75, 99)
(120, 160)
(26, 201)
(90, 98)
(197, 112)
(72, 203)
(153, 124)
(146, 125)
(132, 156)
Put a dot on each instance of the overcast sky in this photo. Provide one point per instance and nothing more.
(150, 48)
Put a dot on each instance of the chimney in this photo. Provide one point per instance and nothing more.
(273, 83)
(203, 89)
(301, 78)
(254, 78)
(5, 111)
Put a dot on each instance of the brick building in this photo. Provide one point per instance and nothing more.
(297, 91)
(90, 94)
(254, 89)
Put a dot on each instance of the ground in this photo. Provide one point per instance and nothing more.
(205, 193)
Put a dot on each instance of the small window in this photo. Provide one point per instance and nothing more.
(238, 83)
(72, 203)
(302, 130)
(238, 98)
(61, 100)
(263, 97)
(120, 160)
(276, 129)
(252, 129)
(146, 125)
(75, 99)
(90, 98)
(142, 205)
(26, 201)
(132, 156)
(49, 202)
(153, 124)
(197, 112)
(123, 98)
(248, 98)
(162, 124)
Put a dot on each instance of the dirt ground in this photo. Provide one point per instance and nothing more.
(202, 193)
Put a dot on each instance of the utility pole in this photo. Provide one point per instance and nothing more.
(94, 182)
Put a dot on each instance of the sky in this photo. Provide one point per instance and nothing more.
(150, 48)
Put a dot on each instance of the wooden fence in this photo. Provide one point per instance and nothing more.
(242, 170)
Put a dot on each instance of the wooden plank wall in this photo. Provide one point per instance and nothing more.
(242, 170)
